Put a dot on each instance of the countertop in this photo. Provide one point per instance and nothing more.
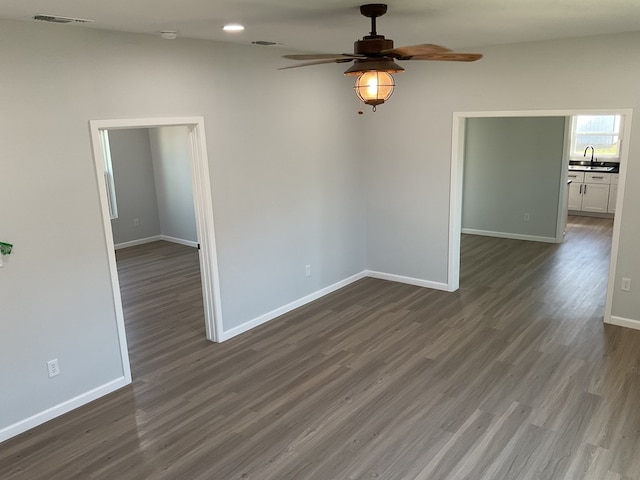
(580, 166)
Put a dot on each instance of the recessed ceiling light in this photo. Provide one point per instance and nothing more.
(233, 27)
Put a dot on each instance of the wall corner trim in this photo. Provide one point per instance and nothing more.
(62, 408)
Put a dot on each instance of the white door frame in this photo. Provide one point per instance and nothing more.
(204, 219)
(456, 179)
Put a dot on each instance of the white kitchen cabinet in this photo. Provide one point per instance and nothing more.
(575, 190)
(595, 197)
(575, 196)
(613, 194)
(590, 191)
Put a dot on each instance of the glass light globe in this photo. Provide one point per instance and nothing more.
(374, 87)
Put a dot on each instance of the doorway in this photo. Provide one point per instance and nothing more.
(202, 201)
(456, 186)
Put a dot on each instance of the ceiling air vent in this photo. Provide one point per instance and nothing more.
(264, 43)
(58, 19)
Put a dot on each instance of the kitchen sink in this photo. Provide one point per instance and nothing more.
(588, 168)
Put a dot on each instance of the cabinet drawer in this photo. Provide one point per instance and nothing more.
(597, 177)
(577, 177)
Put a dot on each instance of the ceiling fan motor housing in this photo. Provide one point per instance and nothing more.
(372, 45)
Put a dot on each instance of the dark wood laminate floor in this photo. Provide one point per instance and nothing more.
(512, 377)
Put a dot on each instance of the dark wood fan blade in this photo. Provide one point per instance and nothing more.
(413, 50)
(320, 56)
(449, 57)
(319, 62)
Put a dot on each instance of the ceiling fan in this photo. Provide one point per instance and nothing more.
(373, 59)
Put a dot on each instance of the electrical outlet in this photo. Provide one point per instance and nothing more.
(53, 367)
(527, 217)
(136, 222)
(307, 270)
(626, 285)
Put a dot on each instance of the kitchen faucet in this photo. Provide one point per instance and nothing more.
(592, 152)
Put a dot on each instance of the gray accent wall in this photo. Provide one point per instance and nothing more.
(513, 167)
(153, 182)
(173, 182)
(135, 186)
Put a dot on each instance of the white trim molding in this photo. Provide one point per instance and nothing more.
(456, 179)
(204, 219)
(156, 238)
(139, 241)
(83, 399)
(512, 236)
(418, 282)
(273, 314)
(62, 408)
(623, 322)
(180, 241)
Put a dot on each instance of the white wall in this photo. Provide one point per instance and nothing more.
(134, 184)
(409, 142)
(285, 180)
(513, 167)
(297, 178)
(173, 180)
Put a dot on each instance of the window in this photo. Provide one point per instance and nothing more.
(602, 132)
(108, 174)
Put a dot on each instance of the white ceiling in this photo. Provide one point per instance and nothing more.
(333, 25)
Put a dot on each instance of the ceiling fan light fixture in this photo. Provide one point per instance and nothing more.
(374, 88)
(373, 59)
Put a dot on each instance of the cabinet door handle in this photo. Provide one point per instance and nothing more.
(580, 192)
(585, 188)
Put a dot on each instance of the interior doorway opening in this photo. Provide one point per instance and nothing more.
(456, 187)
(202, 203)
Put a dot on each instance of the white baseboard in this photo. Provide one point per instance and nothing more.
(227, 334)
(62, 408)
(155, 238)
(623, 322)
(181, 241)
(80, 400)
(418, 282)
(140, 241)
(512, 236)
(580, 213)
